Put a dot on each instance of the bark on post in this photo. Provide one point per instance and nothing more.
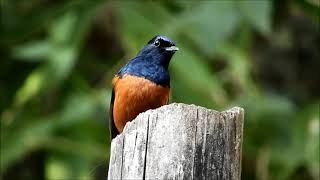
(179, 141)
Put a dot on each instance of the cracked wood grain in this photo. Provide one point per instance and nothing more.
(179, 141)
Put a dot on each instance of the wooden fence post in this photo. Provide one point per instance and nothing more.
(179, 141)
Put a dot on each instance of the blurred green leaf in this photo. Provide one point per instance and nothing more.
(32, 51)
(61, 30)
(191, 69)
(302, 147)
(312, 149)
(257, 14)
(210, 23)
(268, 118)
(310, 138)
(32, 85)
(239, 68)
(39, 133)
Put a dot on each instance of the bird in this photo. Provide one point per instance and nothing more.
(142, 84)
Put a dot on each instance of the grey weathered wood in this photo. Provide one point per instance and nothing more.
(179, 141)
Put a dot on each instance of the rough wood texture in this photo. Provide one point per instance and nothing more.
(179, 141)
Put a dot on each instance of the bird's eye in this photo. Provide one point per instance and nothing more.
(157, 43)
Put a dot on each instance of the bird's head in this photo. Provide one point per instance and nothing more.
(159, 50)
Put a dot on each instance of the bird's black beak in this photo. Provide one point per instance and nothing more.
(172, 48)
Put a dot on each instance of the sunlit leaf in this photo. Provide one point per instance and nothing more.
(32, 85)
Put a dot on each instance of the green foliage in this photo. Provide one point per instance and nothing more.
(55, 89)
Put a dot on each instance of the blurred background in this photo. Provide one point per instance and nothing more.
(58, 59)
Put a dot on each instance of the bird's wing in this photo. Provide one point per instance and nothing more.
(113, 130)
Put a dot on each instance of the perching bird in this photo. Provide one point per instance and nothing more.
(142, 84)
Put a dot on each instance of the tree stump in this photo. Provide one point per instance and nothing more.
(179, 141)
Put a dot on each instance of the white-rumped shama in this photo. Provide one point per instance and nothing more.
(142, 84)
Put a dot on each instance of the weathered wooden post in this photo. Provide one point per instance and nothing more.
(179, 141)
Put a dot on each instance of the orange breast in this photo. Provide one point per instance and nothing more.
(134, 95)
